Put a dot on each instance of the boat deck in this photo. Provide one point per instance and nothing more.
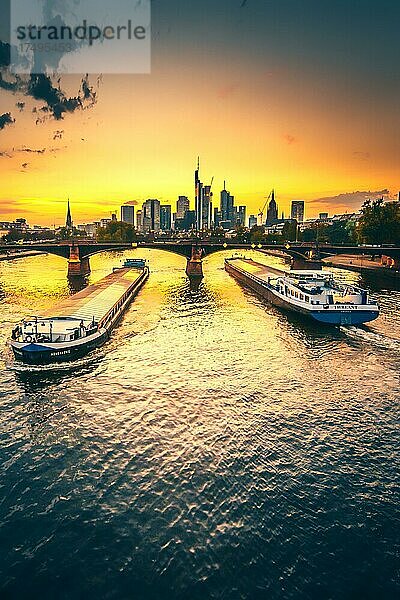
(254, 268)
(96, 300)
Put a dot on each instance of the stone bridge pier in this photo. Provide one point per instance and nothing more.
(194, 266)
(77, 266)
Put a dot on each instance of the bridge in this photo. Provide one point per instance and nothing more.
(303, 254)
(77, 253)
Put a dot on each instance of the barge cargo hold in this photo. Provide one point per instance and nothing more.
(80, 323)
(314, 294)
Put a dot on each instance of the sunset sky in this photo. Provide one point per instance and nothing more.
(300, 95)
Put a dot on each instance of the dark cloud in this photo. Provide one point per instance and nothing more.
(30, 150)
(131, 203)
(41, 88)
(25, 165)
(4, 154)
(58, 134)
(6, 119)
(350, 200)
(20, 106)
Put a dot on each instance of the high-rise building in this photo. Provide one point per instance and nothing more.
(165, 217)
(182, 206)
(114, 217)
(272, 212)
(151, 216)
(139, 221)
(227, 208)
(297, 211)
(203, 202)
(252, 221)
(323, 216)
(190, 220)
(128, 214)
(241, 216)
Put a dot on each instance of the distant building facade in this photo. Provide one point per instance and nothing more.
(252, 221)
(203, 202)
(297, 210)
(165, 217)
(151, 211)
(227, 209)
(182, 206)
(128, 214)
(139, 221)
(241, 216)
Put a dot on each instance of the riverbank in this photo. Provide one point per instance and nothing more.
(359, 263)
(21, 254)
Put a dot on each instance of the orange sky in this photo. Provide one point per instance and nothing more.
(257, 124)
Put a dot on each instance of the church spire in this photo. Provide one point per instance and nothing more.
(68, 223)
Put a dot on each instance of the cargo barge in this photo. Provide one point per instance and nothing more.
(314, 294)
(80, 323)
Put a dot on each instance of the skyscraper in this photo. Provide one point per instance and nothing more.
(203, 203)
(165, 217)
(151, 216)
(297, 211)
(241, 216)
(182, 206)
(128, 214)
(139, 222)
(252, 221)
(272, 212)
(227, 209)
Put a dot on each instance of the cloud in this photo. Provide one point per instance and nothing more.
(289, 139)
(58, 134)
(24, 165)
(39, 151)
(6, 119)
(348, 200)
(30, 150)
(40, 87)
(362, 155)
(227, 90)
(20, 106)
(131, 203)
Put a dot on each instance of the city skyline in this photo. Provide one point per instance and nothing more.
(306, 103)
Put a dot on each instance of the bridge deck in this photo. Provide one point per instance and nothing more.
(98, 299)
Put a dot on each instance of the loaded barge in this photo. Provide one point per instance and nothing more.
(82, 322)
(314, 294)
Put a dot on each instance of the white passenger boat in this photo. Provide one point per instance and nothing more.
(312, 293)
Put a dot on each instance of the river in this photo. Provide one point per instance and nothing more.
(215, 448)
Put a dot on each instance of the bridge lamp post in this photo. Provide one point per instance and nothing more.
(253, 246)
(225, 245)
(259, 246)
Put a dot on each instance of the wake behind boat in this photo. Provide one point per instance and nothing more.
(82, 322)
(312, 293)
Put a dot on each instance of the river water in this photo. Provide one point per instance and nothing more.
(215, 448)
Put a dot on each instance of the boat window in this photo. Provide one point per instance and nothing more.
(301, 296)
(307, 298)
